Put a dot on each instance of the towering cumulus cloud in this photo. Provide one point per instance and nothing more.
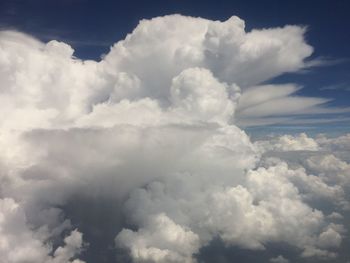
(140, 154)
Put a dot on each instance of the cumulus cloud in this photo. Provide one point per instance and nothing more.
(279, 259)
(285, 143)
(330, 168)
(160, 241)
(152, 128)
(341, 143)
(19, 243)
(247, 215)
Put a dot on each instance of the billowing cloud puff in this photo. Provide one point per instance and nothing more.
(160, 241)
(279, 259)
(38, 78)
(330, 168)
(150, 130)
(341, 143)
(285, 143)
(19, 243)
(247, 216)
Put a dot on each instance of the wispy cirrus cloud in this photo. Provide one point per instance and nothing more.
(339, 86)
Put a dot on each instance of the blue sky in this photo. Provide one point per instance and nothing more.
(91, 27)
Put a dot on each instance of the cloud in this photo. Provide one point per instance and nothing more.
(151, 129)
(246, 216)
(282, 106)
(300, 142)
(341, 143)
(330, 168)
(160, 241)
(340, 86)
(19, 243)
(73, 245)
(279, 259)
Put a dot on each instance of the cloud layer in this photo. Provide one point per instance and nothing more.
(152, 129)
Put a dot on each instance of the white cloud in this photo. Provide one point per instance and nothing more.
(246, 216)
(160, 241)
(285, 143)
(73, 245)
(331, 169)
(279, 259)
(19, 243)
(264, 93)
(341, 143)
(153, 124)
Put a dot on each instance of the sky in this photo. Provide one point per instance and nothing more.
(174, 132)
(91, 28)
